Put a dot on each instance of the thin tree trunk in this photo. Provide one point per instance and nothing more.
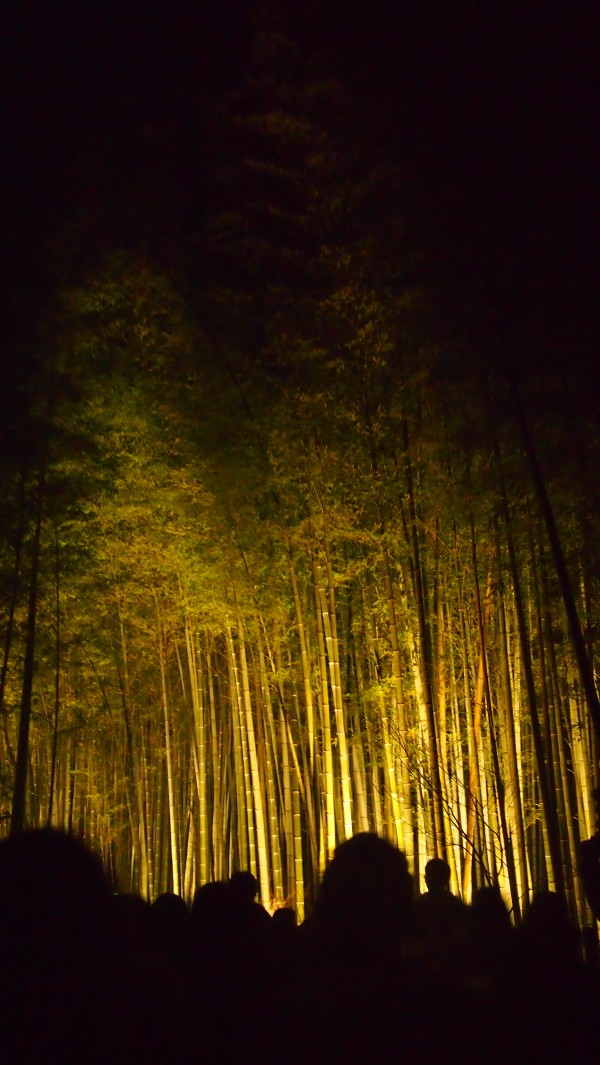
(329, 784)
(12, 603)
(56, 685)
(474, 726)
(257, 795)
(439, 837)
(406, 841)
(273, 790)
(548, 811)
(333, 657)
(19, 795)
(173, 824)
(492, 731)
(583, 660)
(243, 793)
(511, 747)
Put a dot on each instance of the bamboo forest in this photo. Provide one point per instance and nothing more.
(298, 528)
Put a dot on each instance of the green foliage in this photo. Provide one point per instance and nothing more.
(199, 432)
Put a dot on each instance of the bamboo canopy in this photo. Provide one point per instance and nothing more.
(299, 508)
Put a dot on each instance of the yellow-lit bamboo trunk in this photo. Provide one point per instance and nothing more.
(273, 792)
(327, 602)
(324, 707)
(257, 794)
(405, 837)
(240, 765)
(200, 748)
(474, 726)
(173, 827)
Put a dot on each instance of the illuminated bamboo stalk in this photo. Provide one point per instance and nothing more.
(560, 566)
(474, 733)
(302, 775)
(560, 724)
(358, 769)
(302, 772)
(395, 821)
(272, 762)
(327, 754)
(298, 859)
(424, 849)
(549, 719)
(147, 882)
(574, 886)
(257, 796)
(549, 819)
(288, 817)
(405, 839)
(125, 690)
(459, 808)
(306, 671)
(243, 789)
(452, 756)
(331, 642)
(425, 827)
(425, 657)
(330, 632)
(200, 759)
(498, 814)
(581, 756)
(375, 784)
(15, 581)
(370, 757)
(19, 798)
(514, 796)
(217, 742)
(163, 828)
(173, 825)
(190, 865)
(189, 842)
(440, 671)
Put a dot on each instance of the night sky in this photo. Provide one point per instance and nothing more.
(491, 109)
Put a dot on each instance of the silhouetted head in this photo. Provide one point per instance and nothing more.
(211, 908)
(547, 928)
(170, 908)
(367, 888)
(53, 892)
(437, 875)
(548, 911)
(169, 919)
(243, 887)
(130, 922)
(285, 919)
(489, 912)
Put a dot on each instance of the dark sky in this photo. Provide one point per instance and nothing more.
(493, 105)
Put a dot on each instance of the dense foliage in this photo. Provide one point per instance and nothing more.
(293, 579)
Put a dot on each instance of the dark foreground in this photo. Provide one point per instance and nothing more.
(370, 977)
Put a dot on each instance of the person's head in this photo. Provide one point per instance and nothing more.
(54, 893)
(489, 912)
(243, 887)
(210, 912)
(285, 919)
(367, 887)
(437, 875)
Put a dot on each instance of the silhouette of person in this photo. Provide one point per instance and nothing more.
(555, 995)
(361, 997)
(74, 980)
(589, 863)
(440, 920)
(54, 903)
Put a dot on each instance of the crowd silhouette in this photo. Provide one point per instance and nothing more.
(372, 975)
